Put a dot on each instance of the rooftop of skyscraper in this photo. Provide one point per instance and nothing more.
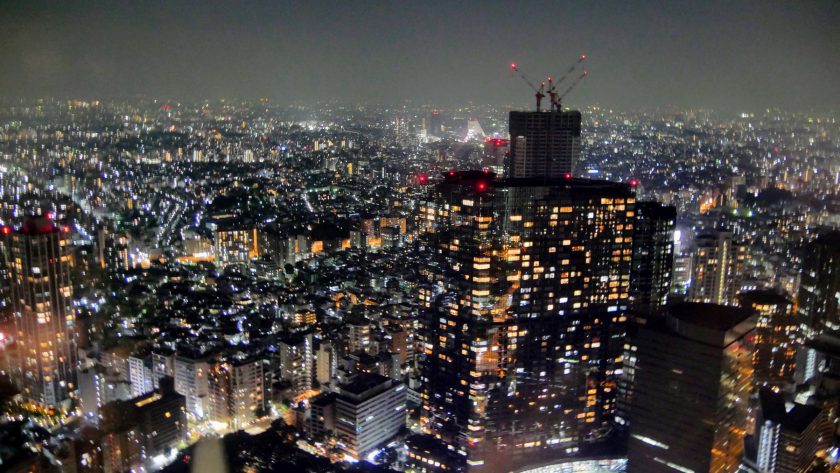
(492, 180)
(38, 225)
(364, 384)
(711, 324)
(830, 239)
(709, 316)
(764, 297)
(796, 418)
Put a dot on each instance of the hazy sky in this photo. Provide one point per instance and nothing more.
(736, 55)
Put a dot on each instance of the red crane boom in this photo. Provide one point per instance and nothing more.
(538, 93)
(552, 88)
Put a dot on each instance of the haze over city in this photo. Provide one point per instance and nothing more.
(734, 56)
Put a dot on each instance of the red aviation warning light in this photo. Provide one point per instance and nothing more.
(556, 96)
(568, 175)
(423, 179)
(538, 93)
(481, 186)
(497, 142)
(634, 182)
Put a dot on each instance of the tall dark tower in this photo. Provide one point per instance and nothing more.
(692, 385)
(544, 144)
(435, 125)
(819, 308)
(650, 283)
(41, 295)
(653, 256)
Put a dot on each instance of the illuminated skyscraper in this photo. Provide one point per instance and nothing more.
(819, 306)
(692, 384)
(526, 314)
(776, 337)
(543, 144)
(716, 265)
(41, 295)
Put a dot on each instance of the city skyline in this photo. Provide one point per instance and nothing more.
(356, 238)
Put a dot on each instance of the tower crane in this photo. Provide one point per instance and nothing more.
(552, 85)
(538, 93)
(576, 82)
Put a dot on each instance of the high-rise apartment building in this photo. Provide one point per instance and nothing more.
(819, 306)
(191, 376)
(113, 249)
(236, 391)
(401, 129)
(358, 334)
(39, 260)
(543, 144)
(325, 363)
(234, 242)
(716, 265)
(693, 378)
(140, 374)
(526, 301)
(776, 337)
(297, 362)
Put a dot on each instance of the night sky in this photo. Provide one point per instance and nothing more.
(731, 55)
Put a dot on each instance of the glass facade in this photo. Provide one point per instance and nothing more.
(526, 314)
